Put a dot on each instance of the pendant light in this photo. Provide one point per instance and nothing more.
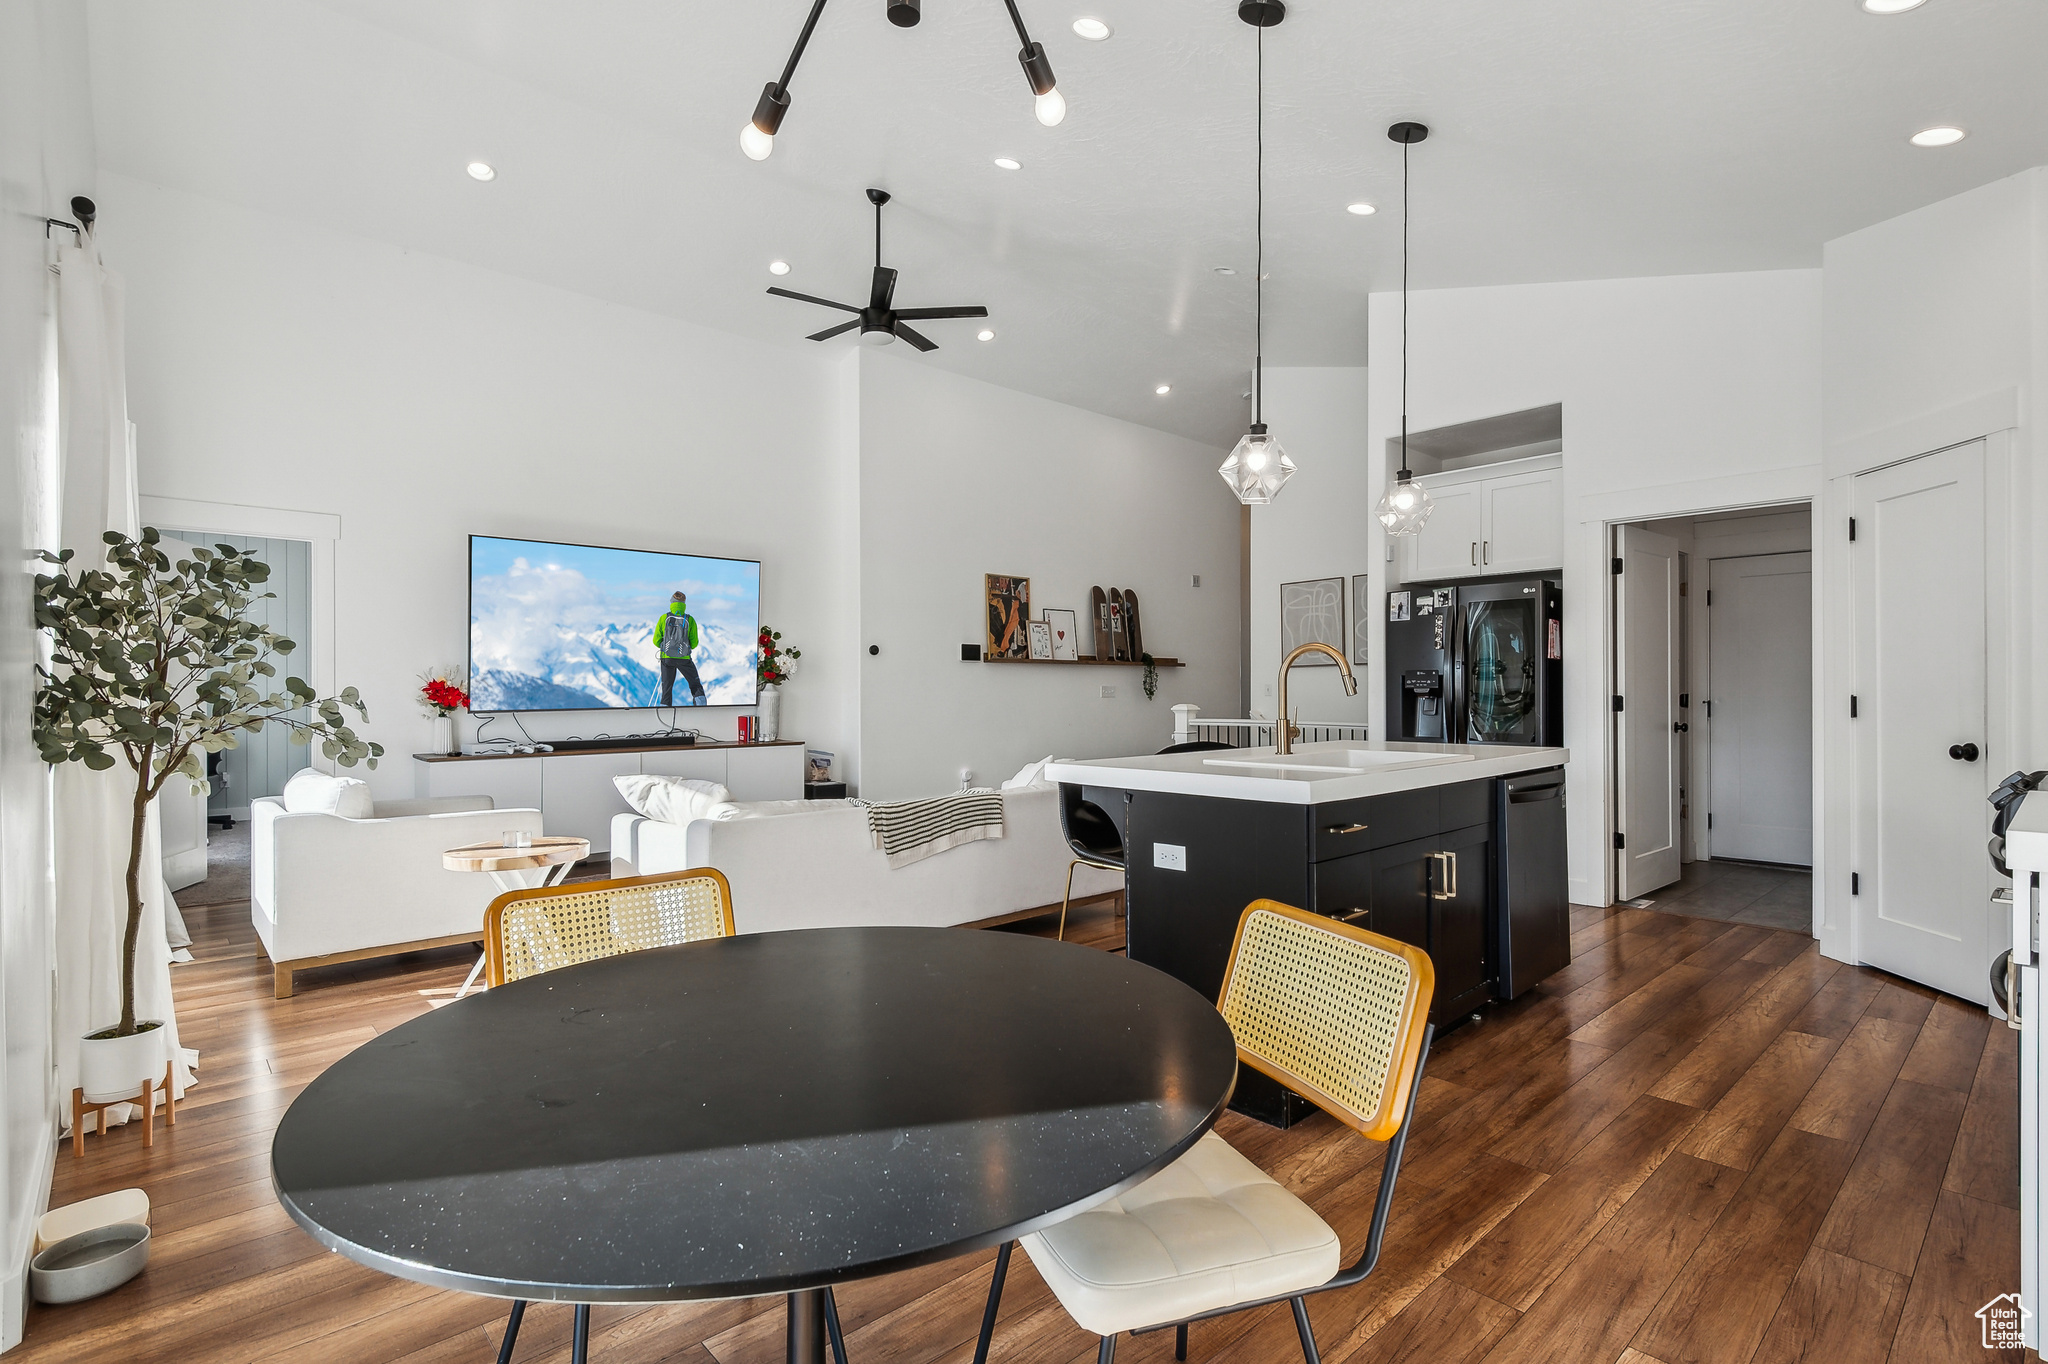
(757, 135)
(1257, 467)
(1405, 507)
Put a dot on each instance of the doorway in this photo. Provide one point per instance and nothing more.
(1713, 713)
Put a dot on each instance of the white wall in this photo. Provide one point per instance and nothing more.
(1937, 333)
(46, 157)
(960, 478)
(1681, 394)
(419, 400)
(1315, 528)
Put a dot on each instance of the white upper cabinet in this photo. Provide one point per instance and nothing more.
(1491, 519)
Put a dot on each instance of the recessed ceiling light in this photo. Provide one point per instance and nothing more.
(1362, 210)
(1937, 137)
(1094, 30)
(1163, 390)
(778, 267)
(482, 170)
(1224, 270)
(1891, 6)
(1009, 163)
(984, 335)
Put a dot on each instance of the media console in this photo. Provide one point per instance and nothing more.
(572, 786)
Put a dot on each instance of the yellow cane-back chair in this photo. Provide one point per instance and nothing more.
(528, 932)
(1338, 1015)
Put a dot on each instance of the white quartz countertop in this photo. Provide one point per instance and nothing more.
(1314, 774)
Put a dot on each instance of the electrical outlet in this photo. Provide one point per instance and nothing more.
(1195, 580)
(1170, 856)
(1109, 693)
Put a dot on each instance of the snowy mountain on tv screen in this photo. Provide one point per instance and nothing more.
(549, 635)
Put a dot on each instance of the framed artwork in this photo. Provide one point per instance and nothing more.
(1361, 614)
(1009, 611)
(1066, 645)
(1312, 613)
(1041, 640)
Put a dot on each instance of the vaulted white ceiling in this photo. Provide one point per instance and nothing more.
(1572, 139)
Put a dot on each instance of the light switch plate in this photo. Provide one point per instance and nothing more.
(1171, 856)
(1109, 693)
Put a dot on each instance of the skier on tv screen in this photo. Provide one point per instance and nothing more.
(675, 637)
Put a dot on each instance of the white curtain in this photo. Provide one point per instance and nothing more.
(91, 811)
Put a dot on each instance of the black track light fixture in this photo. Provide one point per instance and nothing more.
(757, 137)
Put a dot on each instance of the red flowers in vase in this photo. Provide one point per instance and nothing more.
(774, 664)
(442, 694)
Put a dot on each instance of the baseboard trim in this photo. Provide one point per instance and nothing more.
(1019, 915)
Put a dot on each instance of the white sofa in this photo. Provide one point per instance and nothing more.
(815, 867)
(326, 889)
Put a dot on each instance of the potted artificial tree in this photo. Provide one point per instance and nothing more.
(158, 663)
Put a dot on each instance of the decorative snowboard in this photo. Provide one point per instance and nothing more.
(1100, 605)
(1119, 632)
(1134, 636)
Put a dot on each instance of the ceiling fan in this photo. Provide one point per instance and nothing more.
(879, 323)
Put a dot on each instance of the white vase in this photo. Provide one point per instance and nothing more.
(444, 735)
(112, 1068)
(768, 713)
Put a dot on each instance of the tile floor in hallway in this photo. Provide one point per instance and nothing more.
(1758, 893)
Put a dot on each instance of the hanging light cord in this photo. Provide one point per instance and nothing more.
(1259, 267)
(1405, 475)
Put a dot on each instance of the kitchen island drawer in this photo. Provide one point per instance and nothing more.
(1356, 826)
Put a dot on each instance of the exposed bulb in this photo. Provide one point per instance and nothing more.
(755, 143)
(1404, 508)
(1404, 497)
(1050, 107)
(1256, 468)
(1255, 458)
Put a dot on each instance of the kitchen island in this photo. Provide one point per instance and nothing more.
(1457, 849)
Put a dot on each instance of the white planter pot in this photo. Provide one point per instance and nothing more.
(769, 711)
(112, 1068)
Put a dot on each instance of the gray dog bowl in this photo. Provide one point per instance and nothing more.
(90, 1263)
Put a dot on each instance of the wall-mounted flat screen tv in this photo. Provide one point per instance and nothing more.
(581, 627)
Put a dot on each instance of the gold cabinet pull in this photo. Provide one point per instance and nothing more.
(1347, 828)
(1447, 877)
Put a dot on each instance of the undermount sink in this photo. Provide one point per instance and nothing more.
(1345, 763)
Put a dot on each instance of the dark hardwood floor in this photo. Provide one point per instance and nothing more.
(1700, 1143)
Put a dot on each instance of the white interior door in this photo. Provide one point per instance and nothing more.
(1647, 679)
(1447, 546)
(1918, 562)
(1759, 711)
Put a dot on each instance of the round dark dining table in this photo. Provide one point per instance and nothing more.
(769, 1114)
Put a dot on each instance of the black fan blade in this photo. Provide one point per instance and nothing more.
(812, 298)
(830, 332)
(913, 338)
(917, 314)
(885, 289)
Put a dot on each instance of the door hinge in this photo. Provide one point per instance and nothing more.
(1852, 528)
(1620, 841)
(1685, 589)
(1710, 709)
(1710, 596)
(1617, 567)
(1852, 707)
(1617, 705)
(1685, 700)
(1855, 884)
(1710, 819)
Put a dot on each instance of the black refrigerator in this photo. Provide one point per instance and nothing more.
(1478, 663)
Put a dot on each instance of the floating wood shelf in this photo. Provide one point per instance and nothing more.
(1091, 658)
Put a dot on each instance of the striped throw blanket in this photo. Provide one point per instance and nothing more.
(909, 831)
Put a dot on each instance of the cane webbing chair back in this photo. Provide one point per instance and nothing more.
(1333, 1012)
(527, 932)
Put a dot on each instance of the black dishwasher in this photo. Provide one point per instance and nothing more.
(1532, 916)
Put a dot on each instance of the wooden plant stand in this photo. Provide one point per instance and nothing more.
(80, 1107)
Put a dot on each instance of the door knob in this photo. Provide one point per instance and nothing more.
(1963, 753)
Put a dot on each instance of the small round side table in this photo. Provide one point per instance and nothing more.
(544, 862)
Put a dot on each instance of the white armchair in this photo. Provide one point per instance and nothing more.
(325, 889)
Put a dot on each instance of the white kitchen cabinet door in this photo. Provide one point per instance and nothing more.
(1524, 523)
(1447, 546)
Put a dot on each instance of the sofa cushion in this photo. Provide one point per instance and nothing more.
(315, 793)
(672, 800)
(767, 809)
